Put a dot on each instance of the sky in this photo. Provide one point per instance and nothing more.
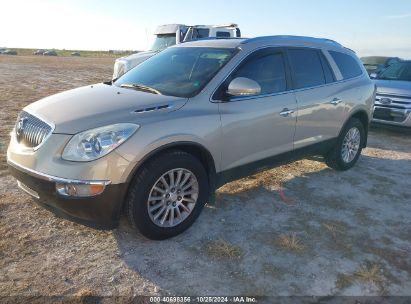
(370, 27)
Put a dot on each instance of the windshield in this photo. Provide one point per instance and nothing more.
(163, 41)
(179, 71)
(397, 71)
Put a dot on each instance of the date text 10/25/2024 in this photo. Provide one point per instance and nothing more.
(205, 299)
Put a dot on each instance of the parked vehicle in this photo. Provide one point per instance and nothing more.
(158, 141)
(39, 52)
(75, 54)
(50, 53)
(171, 34)
(9, 52)
(377, 64)
(393, 101)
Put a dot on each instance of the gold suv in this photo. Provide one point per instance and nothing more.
(159, 140)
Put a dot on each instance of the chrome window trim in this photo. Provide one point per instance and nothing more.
(327, 84)
(55, 179)
(258, 96)
(283, 92)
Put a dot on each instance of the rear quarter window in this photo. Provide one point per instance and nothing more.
(347, 65)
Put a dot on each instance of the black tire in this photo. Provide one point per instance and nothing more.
(145, 179)
(334, 157)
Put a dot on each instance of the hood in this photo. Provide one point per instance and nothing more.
(98, 105)
(395, 87)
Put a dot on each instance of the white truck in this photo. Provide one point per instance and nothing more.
(171, 34)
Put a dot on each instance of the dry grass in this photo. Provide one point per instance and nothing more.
(84, 295)
(67, 53)
(334, 228)
(223, 249)
(272, 179)
(290, 242)
(343, 280)
(370, 273)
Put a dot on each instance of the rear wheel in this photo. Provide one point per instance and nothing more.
(348, 147)
(167, 195)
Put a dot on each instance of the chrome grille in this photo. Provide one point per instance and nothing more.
(31, 131)
(393, 101)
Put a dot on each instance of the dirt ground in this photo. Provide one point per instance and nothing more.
(300, 229)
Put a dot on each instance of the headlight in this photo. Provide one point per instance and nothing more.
(93, 144)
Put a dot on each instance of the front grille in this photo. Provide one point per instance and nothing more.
(393, 101)
(31, 131)
(394, 115)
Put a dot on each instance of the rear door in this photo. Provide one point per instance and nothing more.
(319, 99)
(258, 127)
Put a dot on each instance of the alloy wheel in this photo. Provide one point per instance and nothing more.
(173, 197)
(351, 145)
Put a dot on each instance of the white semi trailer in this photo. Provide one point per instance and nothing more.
(171, 34)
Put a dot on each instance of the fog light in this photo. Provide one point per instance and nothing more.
(80, 190)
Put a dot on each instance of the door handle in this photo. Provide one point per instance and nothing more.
(335, 101)
(285, 112)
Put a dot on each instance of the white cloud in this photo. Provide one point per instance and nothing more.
(401, 16)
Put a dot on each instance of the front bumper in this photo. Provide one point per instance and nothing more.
(102, 211)
(392, 116)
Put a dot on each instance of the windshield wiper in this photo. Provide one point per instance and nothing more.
(141, 87)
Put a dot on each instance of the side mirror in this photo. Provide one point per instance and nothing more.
(373, 75)
(242, 86)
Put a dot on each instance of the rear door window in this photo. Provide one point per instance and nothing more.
(307, 68)
(347, 65)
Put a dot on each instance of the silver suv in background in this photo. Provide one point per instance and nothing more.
(171, 34)
(377, 64)
(160, 140)
(393, 101)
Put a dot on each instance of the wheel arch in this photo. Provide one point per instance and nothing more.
(193, 148)
(364, 118)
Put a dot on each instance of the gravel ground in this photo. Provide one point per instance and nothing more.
(300, 229)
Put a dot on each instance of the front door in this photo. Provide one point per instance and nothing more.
(258, 127)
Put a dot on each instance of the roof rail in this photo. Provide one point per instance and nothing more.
(290, 37)
(214, 38)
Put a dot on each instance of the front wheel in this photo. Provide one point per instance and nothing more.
(348, 146)
(167, 195)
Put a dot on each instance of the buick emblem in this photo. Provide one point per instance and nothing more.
(20, 126)
(385, 101)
